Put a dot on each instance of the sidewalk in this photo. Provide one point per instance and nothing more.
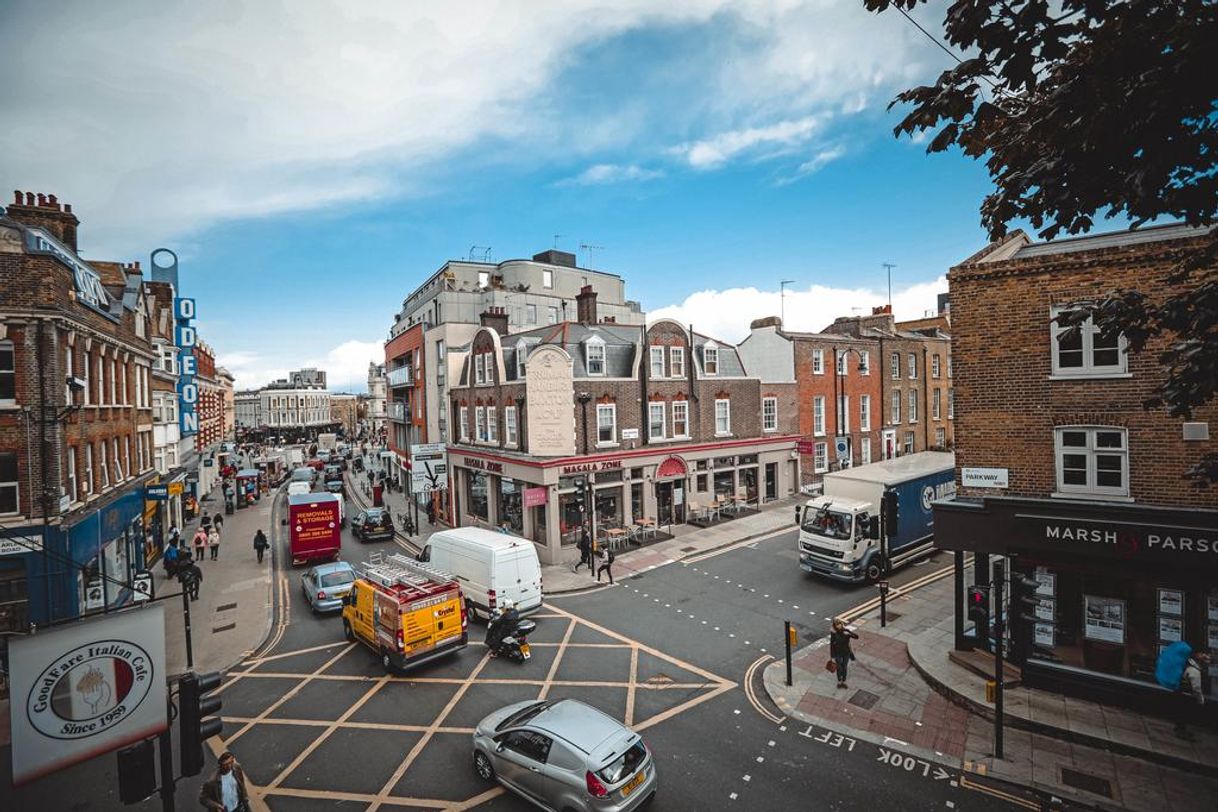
(900, 685)
(559, 578)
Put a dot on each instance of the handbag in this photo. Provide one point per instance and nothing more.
(831, 667)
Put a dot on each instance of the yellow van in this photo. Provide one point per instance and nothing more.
(405, 611)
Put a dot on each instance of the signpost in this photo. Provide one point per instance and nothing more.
(428, 467)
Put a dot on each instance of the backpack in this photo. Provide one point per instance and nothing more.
(1169, 670)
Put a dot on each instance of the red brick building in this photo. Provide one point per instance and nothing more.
(595, 423)
(1062, 472)
(406, 404)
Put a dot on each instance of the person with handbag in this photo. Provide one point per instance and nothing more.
(225, 790)
(839, 649)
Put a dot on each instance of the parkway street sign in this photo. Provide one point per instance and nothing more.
(428, 467)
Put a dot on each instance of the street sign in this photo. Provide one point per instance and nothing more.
(141, 586)
(428, 467)
(804, 447)
(841, 444)
(630, 434)
(156, 492)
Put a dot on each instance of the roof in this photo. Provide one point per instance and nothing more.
(1112, 239)
(898, 469)
(310, 498)
(492, 539)
(582, 725)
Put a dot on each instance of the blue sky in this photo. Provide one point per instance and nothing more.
(311, 167)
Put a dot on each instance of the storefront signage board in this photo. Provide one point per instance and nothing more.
(550, 399)
(804, 447)
(156, 492)
(88, 688)
(589, 467)
(14, 545)
(535, 497)
(428, 467)
(185, 338)
(984, 477)
(483, 465)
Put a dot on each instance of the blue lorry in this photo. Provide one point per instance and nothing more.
(841, 534)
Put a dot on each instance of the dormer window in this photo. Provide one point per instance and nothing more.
(522, 354)
(594, 355)
(657, 362)
(479, 369)
(710, 359)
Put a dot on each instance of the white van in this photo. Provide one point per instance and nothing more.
(299, 486)
(490, 566)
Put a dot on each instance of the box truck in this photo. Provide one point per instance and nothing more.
(327, 442)
(314, 521)
(846, 533)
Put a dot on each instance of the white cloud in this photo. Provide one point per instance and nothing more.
(726, 314)
(719, 149)
(602, 174)
(814, 164)
(346, 366)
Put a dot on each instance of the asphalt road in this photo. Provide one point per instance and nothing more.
(315, 718)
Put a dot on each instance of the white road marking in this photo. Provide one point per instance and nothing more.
(748, 778)
(732, 796)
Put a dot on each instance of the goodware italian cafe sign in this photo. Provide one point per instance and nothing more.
(84, 689)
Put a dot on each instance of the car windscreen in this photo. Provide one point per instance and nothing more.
(832, 524)
(336, 579)
(523, 715)
(625, 764)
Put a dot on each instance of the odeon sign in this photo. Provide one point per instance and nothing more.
(185, 338)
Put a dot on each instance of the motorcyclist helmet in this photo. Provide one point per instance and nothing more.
(507, 605)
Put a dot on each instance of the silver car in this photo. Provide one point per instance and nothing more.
(565, 755)
(325, 585)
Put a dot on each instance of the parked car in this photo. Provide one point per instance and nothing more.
(563, 754)
(373, 524)
(325, 585)
(335, 486)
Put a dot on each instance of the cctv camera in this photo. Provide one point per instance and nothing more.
(76, 384)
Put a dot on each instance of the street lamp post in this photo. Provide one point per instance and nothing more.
(839, 356)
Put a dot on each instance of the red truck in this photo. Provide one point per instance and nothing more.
(314, 521)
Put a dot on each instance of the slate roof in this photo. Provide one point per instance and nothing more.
(1112, 239)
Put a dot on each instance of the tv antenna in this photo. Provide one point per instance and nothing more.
(556, 237)
(485, 249)
(889, 266)
(590, 248)
(782, 300)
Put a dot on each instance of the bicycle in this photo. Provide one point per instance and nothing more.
(405, 523)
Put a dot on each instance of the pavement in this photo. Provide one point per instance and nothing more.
(905, 692)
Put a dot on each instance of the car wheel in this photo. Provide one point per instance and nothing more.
(386, 661)
(347, 633)
(483, 766)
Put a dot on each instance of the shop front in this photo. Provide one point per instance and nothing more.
(1115, 584)
(107, 548)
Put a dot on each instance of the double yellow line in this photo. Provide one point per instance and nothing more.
(873, 603)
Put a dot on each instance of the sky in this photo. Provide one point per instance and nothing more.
(311, 162)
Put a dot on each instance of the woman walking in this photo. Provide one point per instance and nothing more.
(839, 649)
(200, 543)
(213, 541)
(260, 544)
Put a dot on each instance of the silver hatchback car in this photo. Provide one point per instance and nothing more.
(325, 585)
(564, 755)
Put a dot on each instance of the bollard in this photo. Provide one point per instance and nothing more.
(883, 585)
(790, 639)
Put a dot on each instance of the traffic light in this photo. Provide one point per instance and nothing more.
(892, 513)
(979, 610)
(193, 706)
(1023, 598)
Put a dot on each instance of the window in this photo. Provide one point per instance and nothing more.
(522, 355)
(100, 379)
(710, 360)
(479, 370)
(940, 437)
(655, 420)
(509, 424)
(934, 365)
(865, 451)
(552, 315)
(895, 417)
(723, 417)
(949, 365)
(88, 482)
(820, 458)
(547, 278)
(492, 424)
(123, 385)
(606, 423)
(1092, 461)
(169, 359)
(72, 485)
(951, 403)
(69, 371)
(913, 405)
(769, 414)
(843, 368)
(531, 311)
(843, 415)
(913, 366)
(463, 413)
(864, 362)
(896, 366)
(935, 409)
(1086, 352)
(118, 466)
(594, 356)
(440, 350)
(818, 415)
(10, 501)
(676, 361)
(480, 424)
(818, 361)
(113, 381)
(104, 465)
(656, 368)
(484, 278)
(680, 418)
(908, 447)
(8, 373)
(864, 412)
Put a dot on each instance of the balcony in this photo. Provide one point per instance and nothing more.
(402, 376)
(398, 412)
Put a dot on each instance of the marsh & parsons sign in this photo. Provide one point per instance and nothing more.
(82, 690)
(1130, 540)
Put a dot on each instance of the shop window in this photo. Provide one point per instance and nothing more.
(676, 361)
(594, 356)
(511, 505)
(10, 501)
(475, 495)
(723, 417)
(820, 458)
(769, 414)
(680, 418)
(701, 483)
(656, 359)
(636, 501)
(818, 361)
(1093, 461)
(608, 503)
(571, 516)
(8, 373)
(636, 473)
(655, 421)
(606, 423)
(1086, 351)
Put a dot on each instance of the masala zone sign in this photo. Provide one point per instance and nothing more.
(1126, 540)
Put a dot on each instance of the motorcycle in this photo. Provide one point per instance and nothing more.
(515, 642)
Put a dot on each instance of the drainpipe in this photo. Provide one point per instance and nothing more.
(925, 401)
(644, 380)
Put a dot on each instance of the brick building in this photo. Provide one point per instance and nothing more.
(406, 414)
(1062, 472)
(608, 424)
(76, 426)
(228, 423)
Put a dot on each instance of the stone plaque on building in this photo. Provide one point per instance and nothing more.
(550, 403)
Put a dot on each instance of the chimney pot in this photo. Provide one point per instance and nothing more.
(17, 196)
(42, 199)
(29, 198)
(53, 200)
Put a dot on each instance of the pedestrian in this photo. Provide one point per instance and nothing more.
(191, 578)
(200, 543)
(607, 558)
(260, 544)
(213, 541)
(431, 512)
(175, 535)
(218, 522)
(225, 790)
(839, 649)
(585, 551)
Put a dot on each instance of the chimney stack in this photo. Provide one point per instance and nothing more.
(45, 212)
(585, 305)
(496, 318)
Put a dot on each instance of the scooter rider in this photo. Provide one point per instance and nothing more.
(501, 624)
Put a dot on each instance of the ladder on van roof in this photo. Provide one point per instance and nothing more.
(398, 570)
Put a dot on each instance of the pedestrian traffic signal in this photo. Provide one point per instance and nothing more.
(193, 706)
(892, 513)
(979, 610)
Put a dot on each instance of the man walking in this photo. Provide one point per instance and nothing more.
(218, 523)
(607, 557)
(585, 551)
(839, 649)
(260, 544)
(225, 790)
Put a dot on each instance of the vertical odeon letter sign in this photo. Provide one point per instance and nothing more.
(188, 390)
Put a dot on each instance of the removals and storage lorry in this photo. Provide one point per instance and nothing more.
(842, 534)
(489, 566)
(314, 521)
(407, 612)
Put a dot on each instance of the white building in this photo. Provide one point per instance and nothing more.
(376, 396)
(248, 408)
(284, 406)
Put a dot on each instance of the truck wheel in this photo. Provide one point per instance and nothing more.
(874, 571)
(347, 633)
(386, 661)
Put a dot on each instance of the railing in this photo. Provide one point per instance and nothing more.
(397, 411)
(402, 376)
